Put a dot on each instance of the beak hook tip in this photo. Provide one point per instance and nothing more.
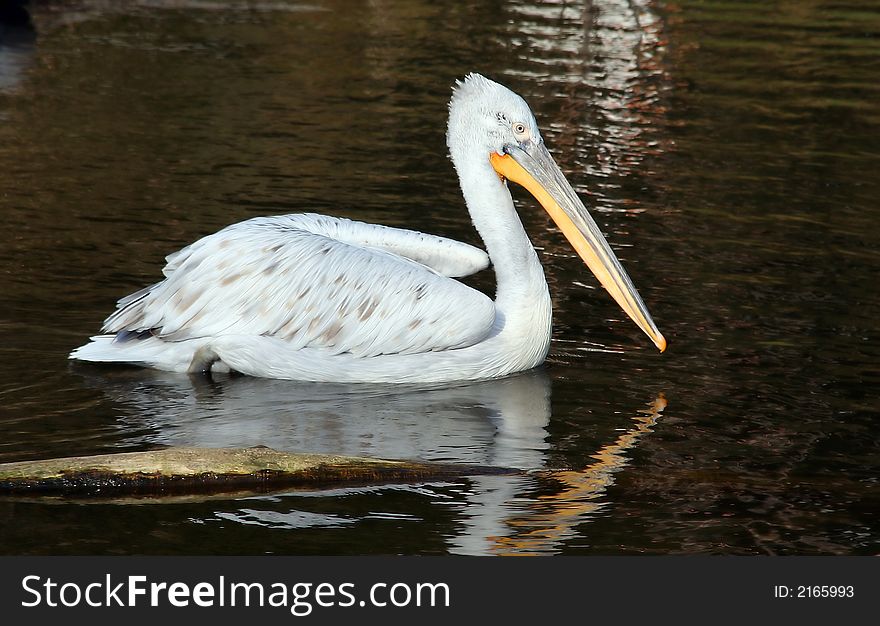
(661, 343)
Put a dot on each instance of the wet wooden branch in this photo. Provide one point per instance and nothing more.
(213, 470)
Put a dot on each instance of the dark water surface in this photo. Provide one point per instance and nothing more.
(731, 151)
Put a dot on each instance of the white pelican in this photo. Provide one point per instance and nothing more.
(317, 298)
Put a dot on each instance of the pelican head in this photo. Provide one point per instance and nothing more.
(491, 125)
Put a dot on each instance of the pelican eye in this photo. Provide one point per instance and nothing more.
(520, 130)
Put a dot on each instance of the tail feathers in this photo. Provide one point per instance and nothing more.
(139, 350)
(99, 348)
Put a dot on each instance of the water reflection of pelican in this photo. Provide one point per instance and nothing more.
(548, 519)
(497, 422)
(309, 297)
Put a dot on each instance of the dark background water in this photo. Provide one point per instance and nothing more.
(730, 151)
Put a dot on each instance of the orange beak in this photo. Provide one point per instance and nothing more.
(534, 168)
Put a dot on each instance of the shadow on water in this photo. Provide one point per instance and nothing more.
(17, 43)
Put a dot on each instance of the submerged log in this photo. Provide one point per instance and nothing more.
(214, 470)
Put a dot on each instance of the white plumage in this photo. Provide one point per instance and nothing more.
(311, 297)
(315, 282)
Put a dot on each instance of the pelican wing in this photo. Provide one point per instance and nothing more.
(275, 276)
(445, 256)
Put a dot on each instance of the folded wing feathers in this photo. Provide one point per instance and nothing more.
(272, 276)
